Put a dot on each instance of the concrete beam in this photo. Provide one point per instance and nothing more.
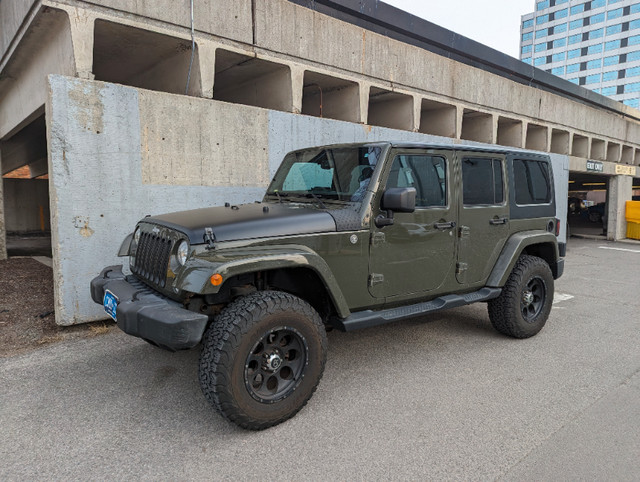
(619, 192)
(207, 59)
(82, 23)
(39, 168)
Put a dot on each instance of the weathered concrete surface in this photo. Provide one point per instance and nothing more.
(620, 190)
(24, 89)
(26, 203)
(118, 153)
(441, 397)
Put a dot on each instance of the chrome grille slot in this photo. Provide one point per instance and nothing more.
(152, 258)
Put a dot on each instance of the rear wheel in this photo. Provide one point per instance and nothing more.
(525, 303)
(263, 358)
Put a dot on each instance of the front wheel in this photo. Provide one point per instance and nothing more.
(262, 359)
(524, 305)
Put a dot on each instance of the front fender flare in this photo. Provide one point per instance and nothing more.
(195, 275)
(512, 250)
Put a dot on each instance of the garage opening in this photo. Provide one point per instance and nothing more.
(140, 58)
(330, 97)
(477, 126)
(390, 109)
(25, 189)
(242, 79)
(438, 119)
(587, 203)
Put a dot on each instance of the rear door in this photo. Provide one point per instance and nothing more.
(416, 253)
(483, 215)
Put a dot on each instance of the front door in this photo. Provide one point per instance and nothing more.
(416, 253)
(484, 216)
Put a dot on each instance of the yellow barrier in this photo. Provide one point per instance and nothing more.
(633, 219)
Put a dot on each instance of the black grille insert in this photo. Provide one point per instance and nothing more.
(152, 258)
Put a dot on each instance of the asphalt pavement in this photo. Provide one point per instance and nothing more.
(437, 397)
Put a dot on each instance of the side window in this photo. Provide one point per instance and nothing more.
(428, 174)
(482, 181)
(532, 182)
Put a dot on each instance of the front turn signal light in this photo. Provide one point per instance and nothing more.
(216, 279)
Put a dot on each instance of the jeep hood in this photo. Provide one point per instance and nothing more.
(247, 221)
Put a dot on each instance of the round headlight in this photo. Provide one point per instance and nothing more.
(133, 248)
(136, 235)
(182, 252)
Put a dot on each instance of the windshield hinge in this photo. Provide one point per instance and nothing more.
(209, 238)
(377, 238)
(375, 279)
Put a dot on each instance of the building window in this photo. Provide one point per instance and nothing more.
(542, 19)
(527, 23)
(613, 29)
(527, 36)
(526, 49)
(635, 87)
(594, 49)
(635, 8)
(542, 5)
(596, 33)
(574, 39)
(574, 24)
(633, 56)
(573, 68)
(577, 9)
(597, 4)
(541, 46)
(612, 44)
(594, 64)
(635, 40)
(561, 14)
(561, 27)
(608, 91)
(539, 61)
(633, 72)
(561, 42)
(617, 13)
(527, 60)
(572, 54)
(558, 71)
(613, 60)
(609, 76)
(593, 79)
(632, 103)
(596, 18)
(557, 57)
(576, 80)
(541, 32)
(634, 24)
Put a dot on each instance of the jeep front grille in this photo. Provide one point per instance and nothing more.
(152, 258)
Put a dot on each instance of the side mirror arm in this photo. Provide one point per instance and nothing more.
(382, 220)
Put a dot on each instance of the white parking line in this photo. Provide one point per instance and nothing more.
(621, 249)
(558, 297)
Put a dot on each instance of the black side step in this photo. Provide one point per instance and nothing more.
(366, 319)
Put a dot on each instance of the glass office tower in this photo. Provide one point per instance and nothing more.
(595, 44)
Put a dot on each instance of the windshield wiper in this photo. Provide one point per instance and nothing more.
(278, 194)
(317, 198)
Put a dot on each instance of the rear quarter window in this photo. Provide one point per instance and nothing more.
(532, 182)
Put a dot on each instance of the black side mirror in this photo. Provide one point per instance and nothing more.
(399, 200)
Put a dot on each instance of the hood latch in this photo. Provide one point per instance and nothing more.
(209, 238)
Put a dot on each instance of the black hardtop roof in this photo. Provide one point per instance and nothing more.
(429, 145)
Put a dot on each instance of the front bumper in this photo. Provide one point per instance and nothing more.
(145, 313)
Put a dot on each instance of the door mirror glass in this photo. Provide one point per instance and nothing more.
(399, 199)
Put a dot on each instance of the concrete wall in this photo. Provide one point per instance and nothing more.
(26, 203)
(118, 153)
(3, 236)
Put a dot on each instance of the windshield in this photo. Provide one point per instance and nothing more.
(341, 174)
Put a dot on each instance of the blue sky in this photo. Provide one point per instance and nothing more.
(495, 23)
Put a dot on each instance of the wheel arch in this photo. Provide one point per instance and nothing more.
(535, 243)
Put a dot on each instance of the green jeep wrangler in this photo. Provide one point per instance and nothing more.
(347, 236)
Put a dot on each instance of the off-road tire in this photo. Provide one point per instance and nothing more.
(509, 313)
(233, 337)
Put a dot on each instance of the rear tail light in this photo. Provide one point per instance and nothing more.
(557, 227)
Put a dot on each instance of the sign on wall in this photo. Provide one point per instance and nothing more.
(595, 166)
(626, 170)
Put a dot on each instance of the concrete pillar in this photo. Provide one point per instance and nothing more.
(297, 88)
(82, 35)
(620, 191)
(3, 237)
(207, 59)
(365, 90)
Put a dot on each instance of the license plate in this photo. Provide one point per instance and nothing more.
(110, 303)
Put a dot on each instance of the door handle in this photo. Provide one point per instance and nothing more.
(443, 226)
(498, 221)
